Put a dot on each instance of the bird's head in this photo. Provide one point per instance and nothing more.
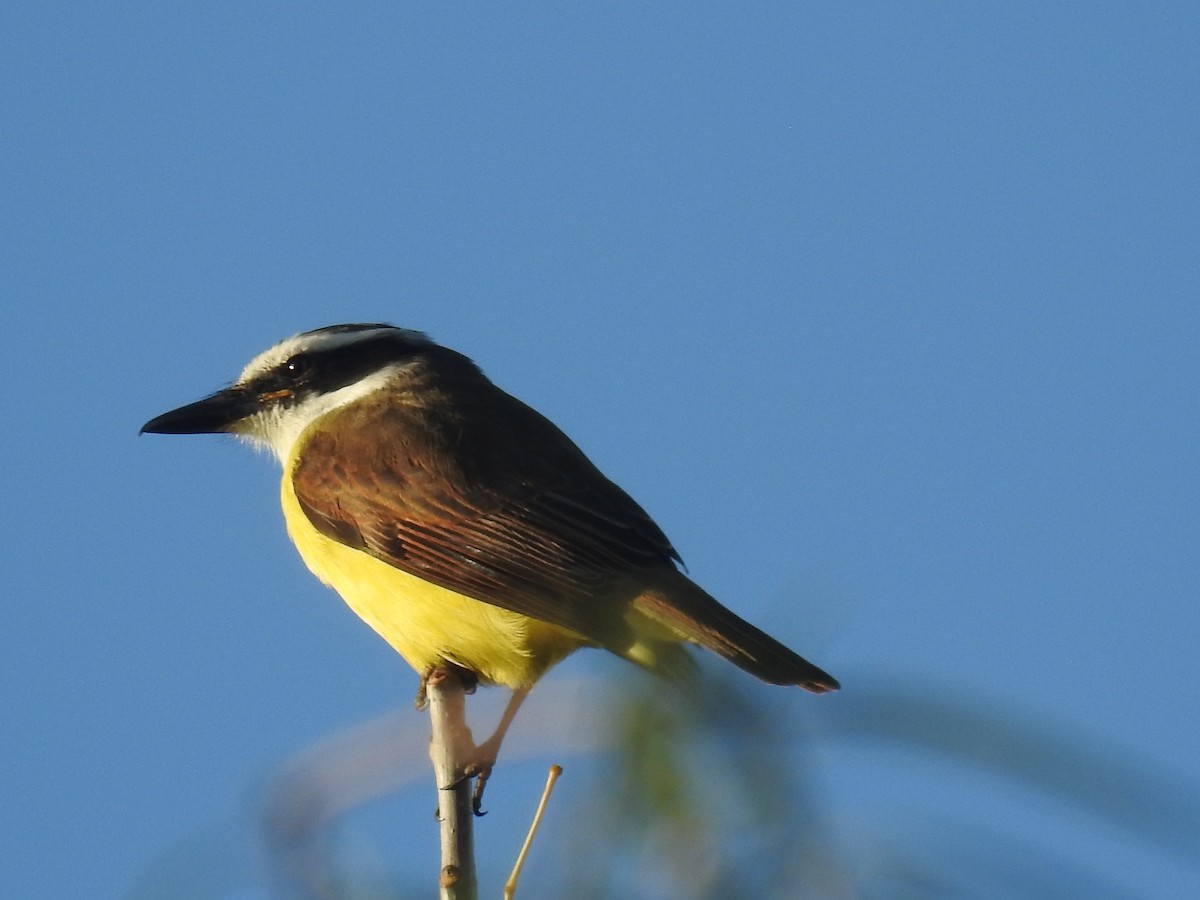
(288, 386)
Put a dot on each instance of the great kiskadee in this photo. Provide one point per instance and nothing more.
(460, 524)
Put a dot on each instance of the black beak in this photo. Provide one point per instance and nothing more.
(208, 416)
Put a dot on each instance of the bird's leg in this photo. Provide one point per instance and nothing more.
(487, 752)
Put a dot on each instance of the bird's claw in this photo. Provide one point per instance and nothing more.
(477, 794)
(481, 771)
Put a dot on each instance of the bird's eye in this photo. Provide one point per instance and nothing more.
(296, 367)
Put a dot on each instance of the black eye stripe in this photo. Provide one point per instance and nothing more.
(310, 372)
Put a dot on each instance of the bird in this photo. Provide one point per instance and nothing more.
(463, 526)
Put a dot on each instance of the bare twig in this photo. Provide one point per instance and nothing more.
(447, 714)
(510, 886)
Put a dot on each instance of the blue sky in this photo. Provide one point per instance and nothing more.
(887, 314)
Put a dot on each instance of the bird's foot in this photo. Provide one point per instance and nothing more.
(480, 760)
(435, 675)
(421, 701)
(456, 755)
(481, 770)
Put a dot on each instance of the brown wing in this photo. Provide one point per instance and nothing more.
(484, 496)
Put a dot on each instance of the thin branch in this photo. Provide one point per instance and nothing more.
(447, 715)
(510, 886)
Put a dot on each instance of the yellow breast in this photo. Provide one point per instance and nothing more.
(425, 623)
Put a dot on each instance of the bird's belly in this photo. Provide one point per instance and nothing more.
(424, 622)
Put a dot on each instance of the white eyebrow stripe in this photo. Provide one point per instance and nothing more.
(318, 341)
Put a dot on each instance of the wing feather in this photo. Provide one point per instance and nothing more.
(489, 500)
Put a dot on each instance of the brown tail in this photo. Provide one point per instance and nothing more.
(689, 611)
